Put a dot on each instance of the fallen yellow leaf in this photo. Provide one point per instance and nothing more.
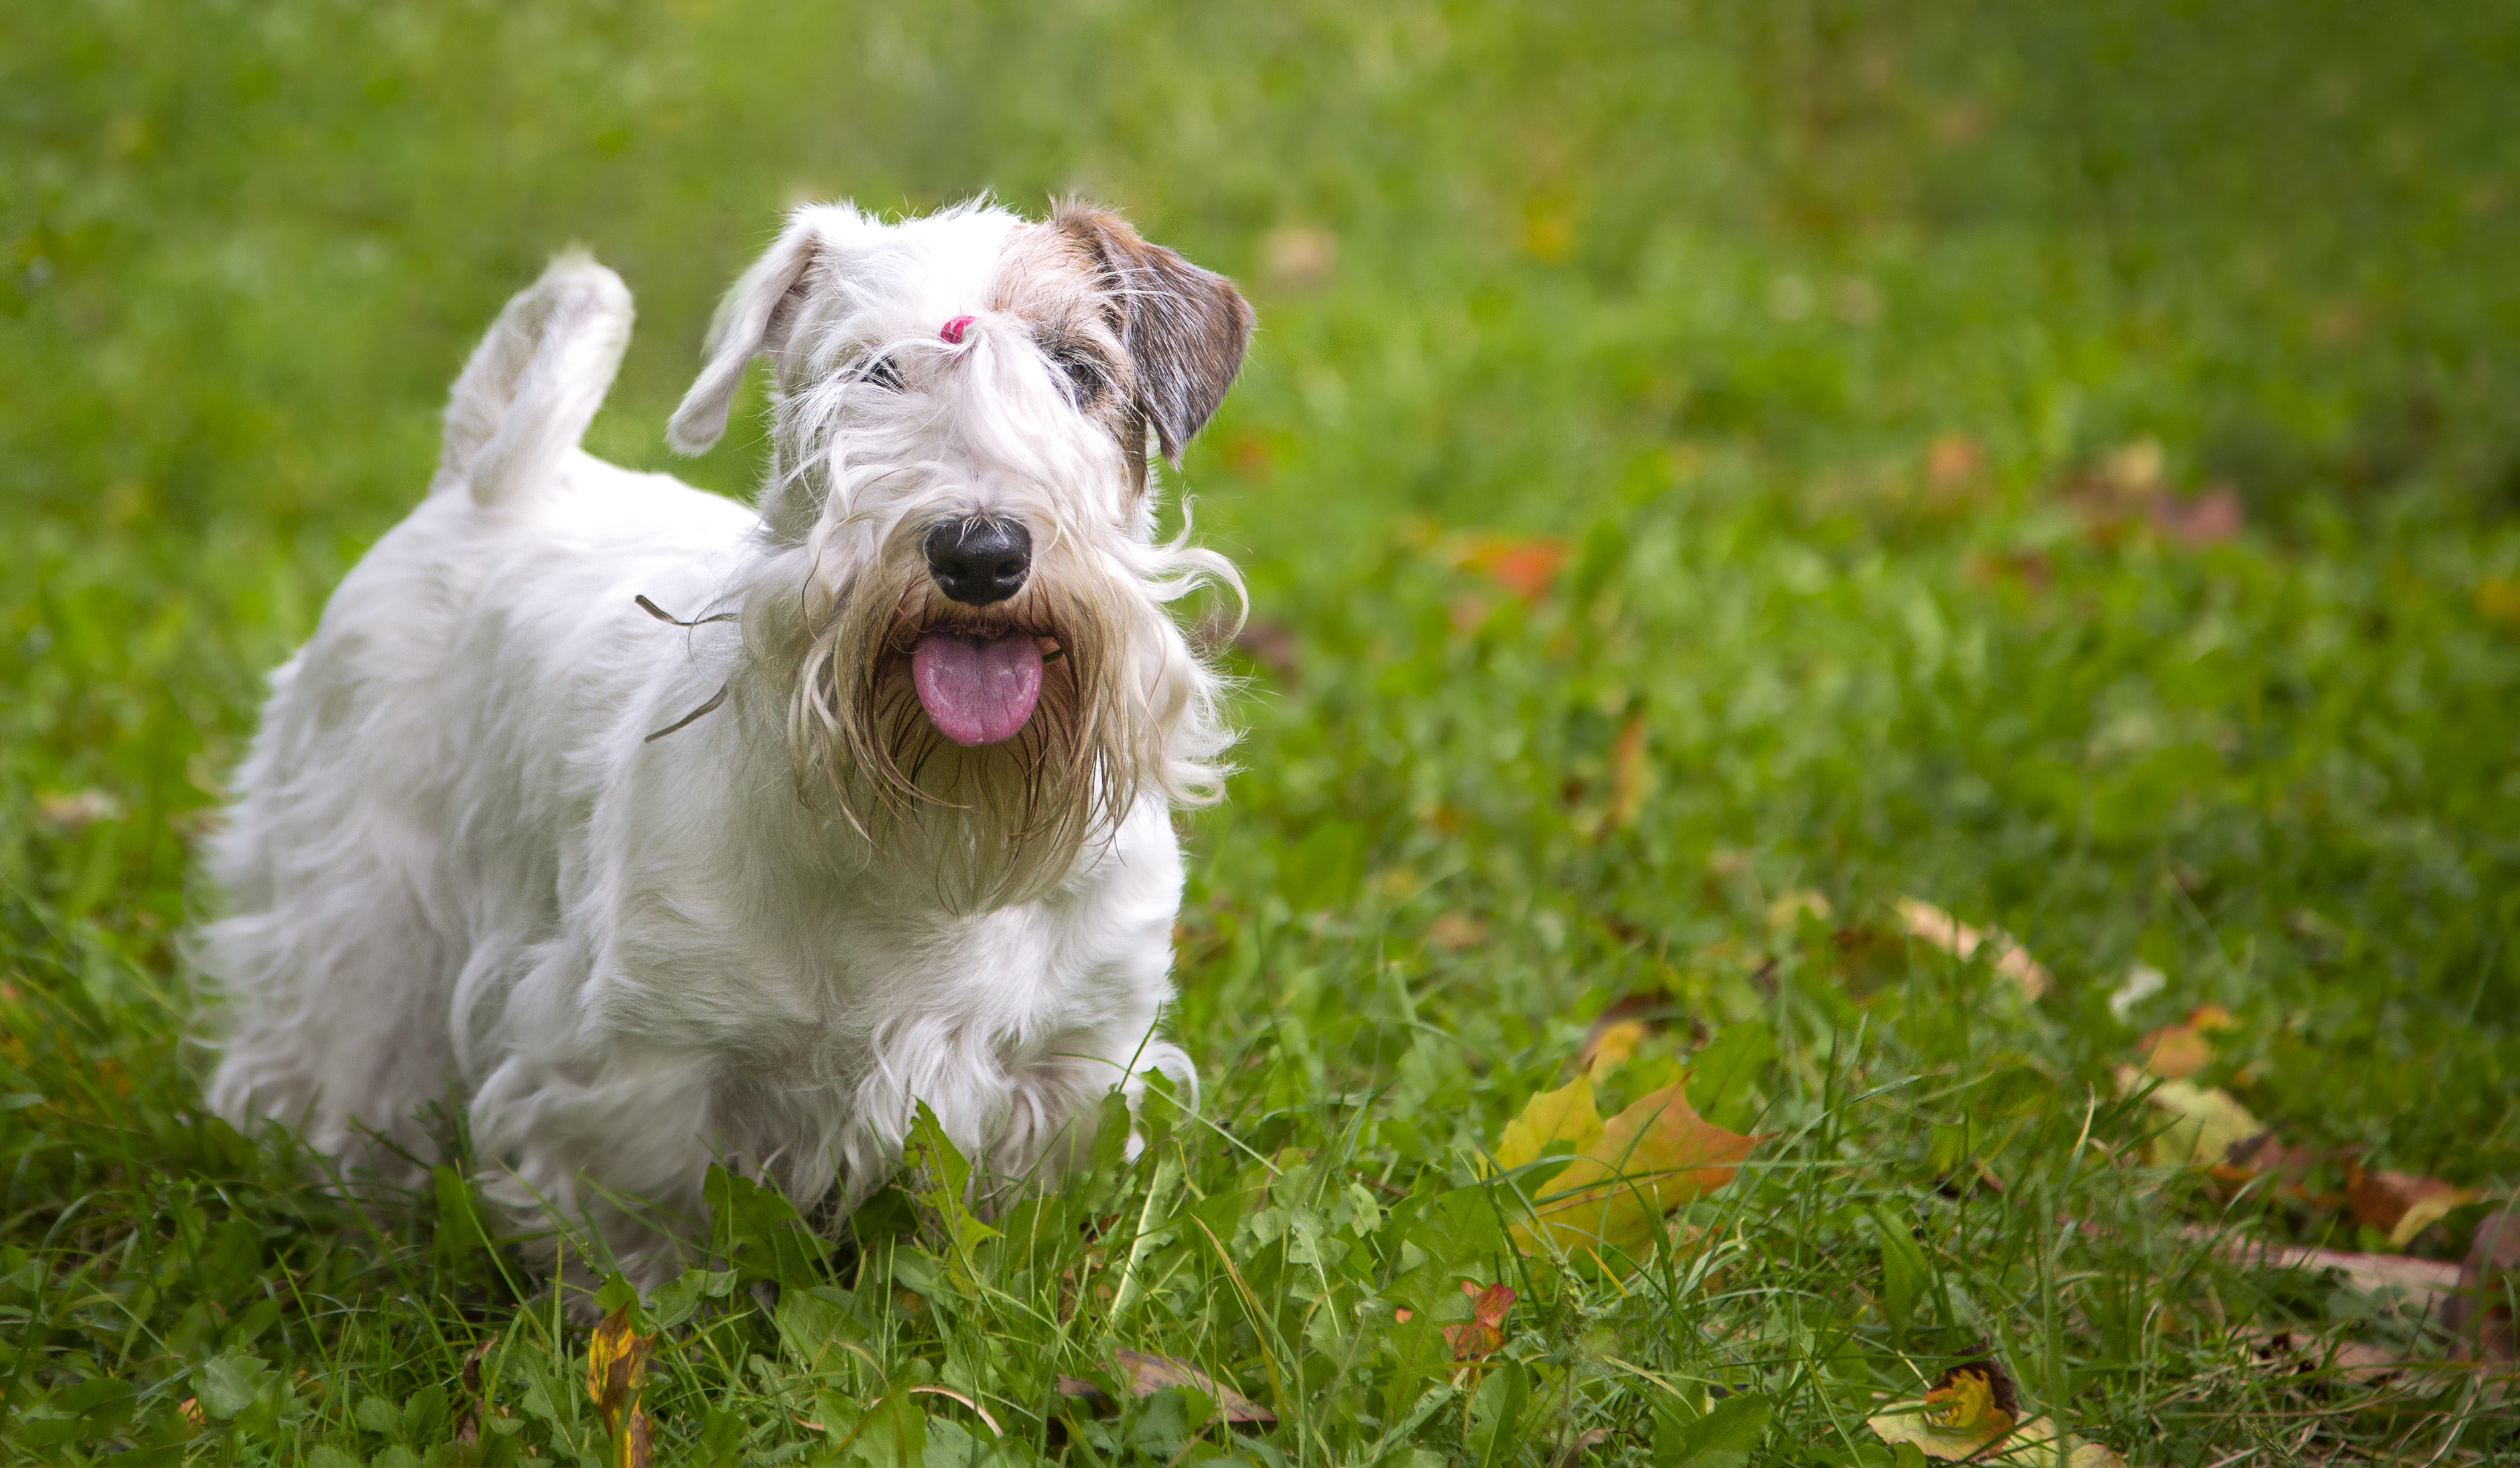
(2425, 1212)
(1967, 1408)
(2206, 1123)
(1648, 1160)
(1565, 1114)
(2033, 1445)
(1971, 1414)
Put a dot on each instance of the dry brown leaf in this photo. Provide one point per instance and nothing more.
(2296, 1352)
(2210, 518)
(2400, 1204)
(468, 1423)
(1573, 1452)
(1484, 1332)
(616, 1368)
(2367, 1364)
(1648, 1160)
(2482, 1314)
(1618, 1030)
(1952, 459)
(1931, 924)
(636, 1446)
(1149, 1373)
(930, 1390)
(2265, 1155)
(2423, 1279)
(1631, 773)
(2176, 1052)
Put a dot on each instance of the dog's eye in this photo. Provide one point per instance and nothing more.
(1085, 379)
(883, 372)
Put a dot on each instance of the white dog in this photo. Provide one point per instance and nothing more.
(883, 818)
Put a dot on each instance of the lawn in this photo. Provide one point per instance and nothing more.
(1711, 478)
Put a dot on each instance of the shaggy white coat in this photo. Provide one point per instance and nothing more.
(462, 869)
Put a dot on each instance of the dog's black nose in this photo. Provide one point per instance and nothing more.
(977, 561)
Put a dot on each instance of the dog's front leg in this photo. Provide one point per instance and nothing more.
(605, 1159)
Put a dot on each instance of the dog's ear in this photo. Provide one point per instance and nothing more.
(1185, 328)
(755, 318)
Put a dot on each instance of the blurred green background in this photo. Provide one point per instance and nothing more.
(2061, 461)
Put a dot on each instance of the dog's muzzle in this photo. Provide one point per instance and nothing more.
(979, 561)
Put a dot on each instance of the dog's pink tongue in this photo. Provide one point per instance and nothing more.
(977, 691)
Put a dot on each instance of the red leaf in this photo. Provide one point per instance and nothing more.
(1484, 1331)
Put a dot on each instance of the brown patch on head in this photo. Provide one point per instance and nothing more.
(1184, 329)
(1051, 283)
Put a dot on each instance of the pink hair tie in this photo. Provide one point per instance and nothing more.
(953, 332)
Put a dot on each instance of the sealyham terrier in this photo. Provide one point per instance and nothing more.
(649, 830)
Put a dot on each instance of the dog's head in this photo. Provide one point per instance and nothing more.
(965, 604)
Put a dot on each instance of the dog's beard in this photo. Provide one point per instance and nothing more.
(986, 824)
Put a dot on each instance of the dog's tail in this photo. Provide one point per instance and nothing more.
(534, 382)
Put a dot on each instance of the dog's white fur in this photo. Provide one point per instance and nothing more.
(462, 866)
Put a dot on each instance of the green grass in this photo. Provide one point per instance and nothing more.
(1693, 290)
